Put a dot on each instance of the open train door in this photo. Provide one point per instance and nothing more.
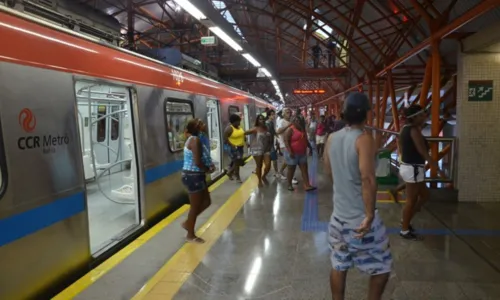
(215, 135)
(246, 122)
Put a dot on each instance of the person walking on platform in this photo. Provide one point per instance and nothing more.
(260, 148)
(357, 235)
(414, 153)
(205, 141)
(296, 153)
(312, 125)
(234, 141)
(282, 126)
(196, 165)
(320, 135)
(271, 128)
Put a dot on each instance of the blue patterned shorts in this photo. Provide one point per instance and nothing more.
(370, 254)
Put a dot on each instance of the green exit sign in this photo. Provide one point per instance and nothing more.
(208, 40)
(480, 90)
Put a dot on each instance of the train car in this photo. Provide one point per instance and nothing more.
(91, 147)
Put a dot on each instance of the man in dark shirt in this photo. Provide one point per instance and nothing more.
(339, 124)
(331, 53)
(316, 51)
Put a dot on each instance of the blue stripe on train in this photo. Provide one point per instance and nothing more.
(159, 172)
(28, 222)
(18, 226)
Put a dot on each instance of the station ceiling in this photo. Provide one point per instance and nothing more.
(369, 35)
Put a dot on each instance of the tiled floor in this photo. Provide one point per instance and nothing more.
(265, 254)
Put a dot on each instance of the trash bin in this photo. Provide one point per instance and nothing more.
(383, 171)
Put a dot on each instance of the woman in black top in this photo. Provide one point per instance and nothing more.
(414, 153)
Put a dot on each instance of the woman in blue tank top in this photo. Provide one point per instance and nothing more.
(196, 166)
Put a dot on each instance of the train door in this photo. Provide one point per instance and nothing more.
(107, 135)
(109, 160)
(215, 135)
(246, 121)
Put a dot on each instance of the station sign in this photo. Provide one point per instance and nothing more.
(480, 90)
(309, 92)
(208, 40)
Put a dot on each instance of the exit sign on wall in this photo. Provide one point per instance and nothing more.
(480, 90)
(208, 40)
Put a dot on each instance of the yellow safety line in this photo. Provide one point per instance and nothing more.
(390, 201)
(91, 277)
(169, 279)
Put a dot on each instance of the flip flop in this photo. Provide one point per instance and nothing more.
(290, 188)
(196, 240)
(310, 189)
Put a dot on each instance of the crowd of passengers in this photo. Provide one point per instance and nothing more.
(357, 235)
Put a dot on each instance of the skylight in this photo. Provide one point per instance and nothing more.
(221, 6)
(322, 33)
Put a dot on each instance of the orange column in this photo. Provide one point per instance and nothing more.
(436, 102)
(427, 82)
(394, 104)
(384, 105)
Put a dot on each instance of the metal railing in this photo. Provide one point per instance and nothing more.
(446, 157)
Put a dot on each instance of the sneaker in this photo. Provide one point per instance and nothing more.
(410, 228)
(409, 236)
(282, 177)
(295, 181)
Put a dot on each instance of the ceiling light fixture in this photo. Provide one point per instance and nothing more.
(191, 9)
(226, 38)
(252, 60)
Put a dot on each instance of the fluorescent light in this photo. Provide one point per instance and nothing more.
(226, 38)
(266, 72)
(251, 60)
(274, 82)
(191, 9)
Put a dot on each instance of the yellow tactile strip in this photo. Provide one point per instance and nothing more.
(84, 282)
(90, 278)
(169, 279)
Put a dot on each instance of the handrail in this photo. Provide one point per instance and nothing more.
(450, 140)
(382, 130)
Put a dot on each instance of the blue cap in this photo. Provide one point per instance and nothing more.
(357, 101)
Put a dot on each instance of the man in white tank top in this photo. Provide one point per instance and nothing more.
(357, 236)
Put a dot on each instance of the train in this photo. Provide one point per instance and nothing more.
(91, 148)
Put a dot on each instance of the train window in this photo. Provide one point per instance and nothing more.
(101, 124)
(233, 109)
(115, 123)
(177, 115)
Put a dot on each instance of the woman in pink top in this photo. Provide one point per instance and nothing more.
(296, 153)
(321, 136)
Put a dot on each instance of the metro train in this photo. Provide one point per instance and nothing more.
(91, 147)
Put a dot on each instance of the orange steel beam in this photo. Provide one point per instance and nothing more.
(296, 43)
(421, 10)
(384, 105)
(470, 15)
(436, 100)
(424, 92)
(394, 105)
(305, 42)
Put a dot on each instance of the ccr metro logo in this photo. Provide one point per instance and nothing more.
(27, 120)
(47, 142)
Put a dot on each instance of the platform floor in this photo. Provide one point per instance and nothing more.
(271, 244)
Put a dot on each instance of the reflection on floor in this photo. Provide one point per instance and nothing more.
(108, 219)
(264, 255)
